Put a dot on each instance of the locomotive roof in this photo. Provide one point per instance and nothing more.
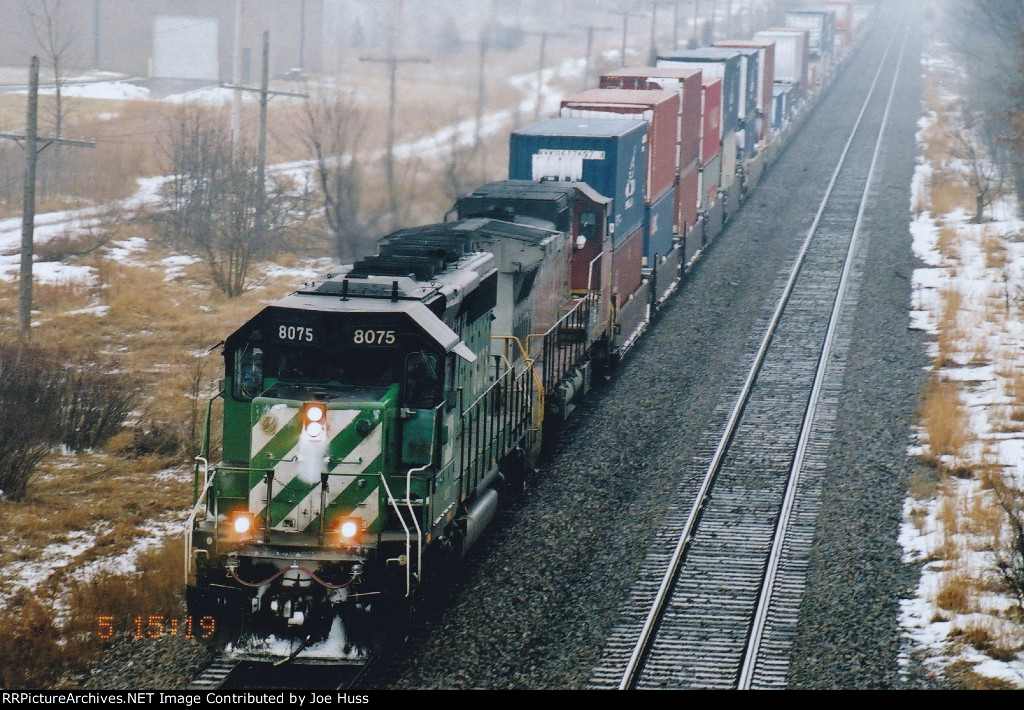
(448, 259)
(530, 190)
(416, 310)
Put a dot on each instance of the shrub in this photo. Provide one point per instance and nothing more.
(96, 405)
(32, 387)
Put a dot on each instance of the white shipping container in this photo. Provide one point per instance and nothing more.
(729, 147)
(790, 54)
(819, 24)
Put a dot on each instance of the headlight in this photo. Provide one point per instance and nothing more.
(243, 524)
(314, 417)
(349, 528)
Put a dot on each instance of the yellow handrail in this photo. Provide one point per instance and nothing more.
(538, 414)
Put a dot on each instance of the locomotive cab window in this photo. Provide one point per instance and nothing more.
(588, 225)
(422, 378)
(248, 379)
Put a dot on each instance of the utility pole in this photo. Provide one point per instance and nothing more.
(653, 56)
(302, 36)
(261, 156)
(236, 80)
(625, 30)
(696, 21)
(544, 34)
(486, 39)
(96, 35)
(590, 48)
(30, 142)
(540, 75)
(393, 60)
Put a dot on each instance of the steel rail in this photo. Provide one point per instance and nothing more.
(761, 615)
(671, 572)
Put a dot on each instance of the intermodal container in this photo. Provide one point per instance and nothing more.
(720, 62)
(711, 119)
(710, 182)
(783, 106)
(658, 228)
(608, 154)
(843, 10)
(765, 68)
(627, 265)
(750, 73)
(686, 197)
(659, 108)
(820, 25)
(683, 80)
(791, 55)
(730, 149)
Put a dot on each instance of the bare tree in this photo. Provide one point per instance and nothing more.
(988, 35)
(1009, 556)
(212, 202)
(57, 35)
(976, 144)
(58, 38)
(333, 131)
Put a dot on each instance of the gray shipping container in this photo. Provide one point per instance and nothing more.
(608, 154)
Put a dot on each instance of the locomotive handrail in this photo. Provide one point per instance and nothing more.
(200, 502)
(553, 372)
(401, 520)
(538, 414)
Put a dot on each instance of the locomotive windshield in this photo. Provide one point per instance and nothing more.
(259, 367)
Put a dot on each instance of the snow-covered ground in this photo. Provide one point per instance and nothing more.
(981, 263)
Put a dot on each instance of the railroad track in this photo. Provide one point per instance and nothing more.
(226, 672)
(717, 601)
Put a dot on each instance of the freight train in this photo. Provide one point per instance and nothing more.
(374, 419)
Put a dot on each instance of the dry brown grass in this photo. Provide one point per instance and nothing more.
(964, 677)
(955, 593)
(38, 646)
(948, 242)
(944, 419)
(989, 636)
(949, 192)
(993, 246)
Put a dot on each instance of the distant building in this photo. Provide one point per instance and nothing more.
(179, 39)
(195, 39)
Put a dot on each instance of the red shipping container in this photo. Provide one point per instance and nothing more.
(711, 118)
(627, 266)
(661, 111)
(844, 13)
(683, 80)
(687, 197)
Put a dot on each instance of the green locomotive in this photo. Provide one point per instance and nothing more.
(371, 422)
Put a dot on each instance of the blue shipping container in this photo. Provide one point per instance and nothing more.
(608, 154)
(715, 62)
(658, 228)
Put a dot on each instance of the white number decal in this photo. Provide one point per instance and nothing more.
(295, 332)
(374, 337)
